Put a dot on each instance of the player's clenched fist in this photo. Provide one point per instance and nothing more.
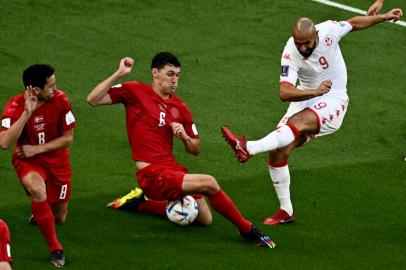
(179, 130)
(324, 88)
(126, 65)
(394, 14)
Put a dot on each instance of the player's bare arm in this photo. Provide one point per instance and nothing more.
(375, 8)
(10, 136)
(26, 151)
(287, 92)
(362, 22)
(192, 146)
(99, 95)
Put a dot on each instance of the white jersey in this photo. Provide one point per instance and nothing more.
(325, 63)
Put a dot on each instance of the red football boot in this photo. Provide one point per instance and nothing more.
(237, 143)
(280, 217)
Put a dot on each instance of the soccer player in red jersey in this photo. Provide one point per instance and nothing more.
(154, 115)
(41, 123)
(5, 253)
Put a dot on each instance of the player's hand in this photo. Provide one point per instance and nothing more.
(394, 14)
(179, 131)
(31, 100)
(125, 66)
(375, 8)
(26, 151)
(324, 88)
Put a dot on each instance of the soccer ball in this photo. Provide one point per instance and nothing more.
(183, 211)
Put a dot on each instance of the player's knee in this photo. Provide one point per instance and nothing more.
(60, 219)
(60, 215)
(207, 221)
(211, 184)
(38, 193)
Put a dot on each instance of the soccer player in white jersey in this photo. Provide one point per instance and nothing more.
(318, 104)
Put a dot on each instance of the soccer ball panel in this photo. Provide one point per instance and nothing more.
(183, 211)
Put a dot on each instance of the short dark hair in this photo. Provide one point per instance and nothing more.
(163, 59)
(37, 75)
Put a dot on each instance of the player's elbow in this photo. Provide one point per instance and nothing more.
(3, 144)
(283, 96)
(68, 139)
(284, 91)
(195, 152)
(91, 102)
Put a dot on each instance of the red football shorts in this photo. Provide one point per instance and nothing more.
(5, 253)
(57, 179)
(163, 182)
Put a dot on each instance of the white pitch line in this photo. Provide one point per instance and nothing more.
(352, 9)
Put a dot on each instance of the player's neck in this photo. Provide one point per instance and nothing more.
(160, 92)
(40, 102)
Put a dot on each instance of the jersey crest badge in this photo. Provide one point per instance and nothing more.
(286, 56)
(38, 119)
(328, 41)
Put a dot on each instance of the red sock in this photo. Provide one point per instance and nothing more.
(45, 220)
(153, 207)
(223, 205)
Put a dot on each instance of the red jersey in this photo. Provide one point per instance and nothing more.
(48, 122)
(148, 119)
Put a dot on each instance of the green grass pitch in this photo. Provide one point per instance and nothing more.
(348, 188)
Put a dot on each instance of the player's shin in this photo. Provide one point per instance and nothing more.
(45, 220)
(281, 180)
(223, 205)
(278, 138)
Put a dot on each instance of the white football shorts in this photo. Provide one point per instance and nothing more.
(330, 111)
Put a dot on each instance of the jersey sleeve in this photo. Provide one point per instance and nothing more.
(289, 64)
(119, 93)
(67, 121)
(189, 124)
(11, 113)
(339, 29)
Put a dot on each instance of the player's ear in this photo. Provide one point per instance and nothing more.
(36, 90)
(154, 73)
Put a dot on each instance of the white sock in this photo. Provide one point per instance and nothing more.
(281, 181)
(276, 139)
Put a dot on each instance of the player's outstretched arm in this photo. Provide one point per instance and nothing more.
(27, 151)
(287, 92)
(362, 22)
(99, 96)
(375, 8)
(10, 136)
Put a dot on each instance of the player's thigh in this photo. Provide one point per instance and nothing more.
(204, 217)
(200, 183)
(330, 112)
(58, 185)
(32, 179)
(161, 184)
